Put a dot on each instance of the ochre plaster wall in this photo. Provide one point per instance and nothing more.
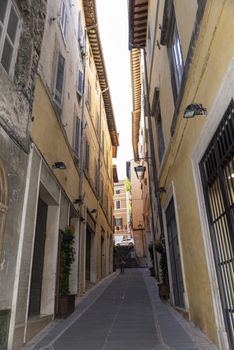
(47, 134)
(212, 57)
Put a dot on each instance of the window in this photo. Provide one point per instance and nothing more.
(59, 79)
(9, 32)
(217, 175)
(89, 96)
(157, 113)
(87, 155)
(90, 60)
(170, 37)
(149, 42)
(80, 35)
(96, 175)
(105, 203)
(117, 205)
(77, 137)
(63, 19)
(96, 84)
(98, 124)
(103, 141)
(79, 87)
(117, 191)
(118, 221)
(107, 160)
(176, 61)
(102, 191)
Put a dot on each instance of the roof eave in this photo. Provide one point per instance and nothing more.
(95, 43)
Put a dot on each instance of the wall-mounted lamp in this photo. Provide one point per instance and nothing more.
(160, 190)
(59, 165)
(78, 201)
(140, 171)
(194, 109)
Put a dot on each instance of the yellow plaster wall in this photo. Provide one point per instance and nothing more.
(185, 14)
(48, 136)
(212, 57)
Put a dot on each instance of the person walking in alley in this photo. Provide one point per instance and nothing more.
(122, 264)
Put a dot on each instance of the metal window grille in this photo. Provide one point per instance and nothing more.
(217, 173)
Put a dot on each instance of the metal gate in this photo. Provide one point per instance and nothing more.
(217, 174)
(174, 252)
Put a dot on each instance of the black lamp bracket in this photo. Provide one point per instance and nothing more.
(194, 109)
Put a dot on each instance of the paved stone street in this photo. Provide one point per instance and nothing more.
(123, 312)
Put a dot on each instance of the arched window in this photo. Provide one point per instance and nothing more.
(3, 203)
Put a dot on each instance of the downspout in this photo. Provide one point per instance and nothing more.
(81, 165)
(99, 177)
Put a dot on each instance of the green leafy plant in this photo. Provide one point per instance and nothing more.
(127, 185)
(160, 248)
(67, 258)
(150, 249)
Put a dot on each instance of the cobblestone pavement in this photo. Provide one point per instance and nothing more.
(124, 312)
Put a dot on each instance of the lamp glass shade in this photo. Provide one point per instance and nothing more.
(140, 170)
(59, 165)
(189, 113)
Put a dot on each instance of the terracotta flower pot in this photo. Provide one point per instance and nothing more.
(66, 305)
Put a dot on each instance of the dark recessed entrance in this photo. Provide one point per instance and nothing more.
(38, 259)
(174, 251)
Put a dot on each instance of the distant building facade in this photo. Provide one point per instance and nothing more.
(140, 233)
(122, 215)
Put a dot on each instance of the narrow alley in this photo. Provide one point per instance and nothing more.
(123, 313)
(116, 152)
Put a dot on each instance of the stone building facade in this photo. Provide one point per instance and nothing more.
(21, 28)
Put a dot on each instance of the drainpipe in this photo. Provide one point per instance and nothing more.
(152, 151)
(99, 134)
(81, 165)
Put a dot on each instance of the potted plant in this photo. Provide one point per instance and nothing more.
(67, 257)
(150, 249)
(163, 284)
